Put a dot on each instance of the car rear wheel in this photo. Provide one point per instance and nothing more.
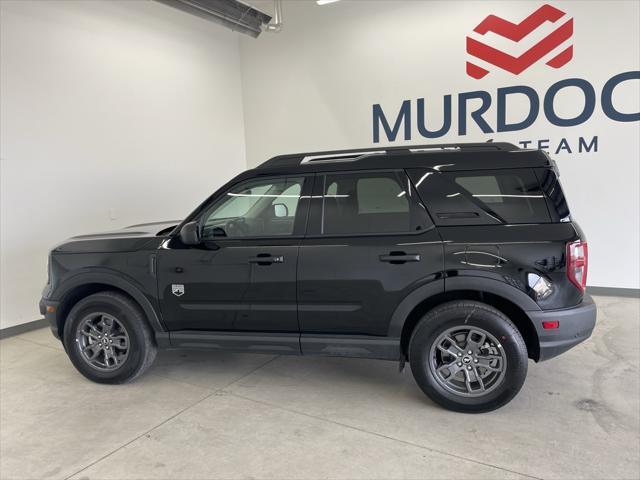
(468, 356)
(108, 339)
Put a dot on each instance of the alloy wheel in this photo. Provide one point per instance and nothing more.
(103, 341)
(467, 361)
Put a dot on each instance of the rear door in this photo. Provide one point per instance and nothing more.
(369, 243)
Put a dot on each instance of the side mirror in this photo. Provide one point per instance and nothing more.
(189, 234)
(280, 210)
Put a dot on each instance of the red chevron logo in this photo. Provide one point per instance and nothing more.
(517, 32)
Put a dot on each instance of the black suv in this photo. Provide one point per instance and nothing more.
(461, 258)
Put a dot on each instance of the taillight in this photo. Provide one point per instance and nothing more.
(577, 260)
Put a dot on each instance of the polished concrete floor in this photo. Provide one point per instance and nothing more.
(228, 416)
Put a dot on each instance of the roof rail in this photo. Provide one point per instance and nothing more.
(356, 154)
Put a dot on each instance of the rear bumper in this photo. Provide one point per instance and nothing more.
(575, 326)
(50, 315)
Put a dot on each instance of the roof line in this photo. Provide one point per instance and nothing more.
(356, 154)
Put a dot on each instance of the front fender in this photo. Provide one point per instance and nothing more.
(118, 281)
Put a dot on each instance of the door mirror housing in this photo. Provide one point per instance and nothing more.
(280, 210)
(189, 234)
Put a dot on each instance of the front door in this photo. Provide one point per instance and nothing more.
(242, 277)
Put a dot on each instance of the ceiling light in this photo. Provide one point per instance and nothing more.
(325, 2)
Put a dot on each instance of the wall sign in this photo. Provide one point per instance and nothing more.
(490, 111)
(521, 32)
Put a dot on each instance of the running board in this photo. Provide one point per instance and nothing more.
(358, 346)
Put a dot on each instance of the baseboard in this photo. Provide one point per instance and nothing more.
(614, 292)
(22, 328)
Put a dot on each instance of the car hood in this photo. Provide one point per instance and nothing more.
(132, 238)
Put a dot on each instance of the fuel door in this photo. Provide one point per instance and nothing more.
(483, 256)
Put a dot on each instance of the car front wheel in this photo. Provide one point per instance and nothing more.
(108, 339)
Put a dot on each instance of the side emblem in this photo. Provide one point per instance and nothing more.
(177, 290)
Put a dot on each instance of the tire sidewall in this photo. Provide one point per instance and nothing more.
(469, 315)
(125, 314)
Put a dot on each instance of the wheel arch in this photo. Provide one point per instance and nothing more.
(81, 286)
(417, 304)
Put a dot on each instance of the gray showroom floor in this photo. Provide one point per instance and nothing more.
(225, 415)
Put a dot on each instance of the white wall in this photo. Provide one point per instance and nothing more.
(112, 113)
(120, 112)
(312, 87)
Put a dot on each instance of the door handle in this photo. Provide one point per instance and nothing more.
(266, 259)
(398, 258)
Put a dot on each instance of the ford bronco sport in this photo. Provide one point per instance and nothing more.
(461, 258)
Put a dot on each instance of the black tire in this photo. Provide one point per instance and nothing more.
(141, 350)
(424, 356)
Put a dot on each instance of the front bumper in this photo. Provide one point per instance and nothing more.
(49, 309)
(575, 326)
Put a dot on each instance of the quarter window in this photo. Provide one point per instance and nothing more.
(485, 197)
(513, 196)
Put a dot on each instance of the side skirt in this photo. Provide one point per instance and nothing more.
(279, 343)
(358, 346)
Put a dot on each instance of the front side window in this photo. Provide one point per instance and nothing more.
(257, 208)
(364, 203)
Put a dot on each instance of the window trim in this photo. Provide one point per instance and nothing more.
(357, 235)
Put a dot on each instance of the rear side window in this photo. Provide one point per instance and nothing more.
(484, 197)
(381, 195)
(367, 203)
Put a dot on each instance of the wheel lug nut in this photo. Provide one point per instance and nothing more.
(459, 354)
(469, 367)
(469, 352)
(476, 360)
(459, 364)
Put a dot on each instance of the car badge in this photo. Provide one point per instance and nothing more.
(177, 290)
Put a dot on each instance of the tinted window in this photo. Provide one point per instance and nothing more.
(487, 184)
(381, 195)
(483, 198)
(257, 208)
(513, 196)
(553, 190)
(379, 202)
